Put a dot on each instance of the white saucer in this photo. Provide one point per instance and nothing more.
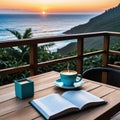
(60, 84)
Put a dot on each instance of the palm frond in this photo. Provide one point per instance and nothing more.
(27, 33)
(15, 33)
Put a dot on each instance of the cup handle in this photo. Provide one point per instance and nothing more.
(79, 78)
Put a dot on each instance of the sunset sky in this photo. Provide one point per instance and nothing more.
(58, 6)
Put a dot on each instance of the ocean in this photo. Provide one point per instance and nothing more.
(41, 25)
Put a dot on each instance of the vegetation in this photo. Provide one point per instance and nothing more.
(107, 21)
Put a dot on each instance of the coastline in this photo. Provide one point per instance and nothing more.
(41, 25)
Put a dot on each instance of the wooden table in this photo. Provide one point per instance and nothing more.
(12, 108)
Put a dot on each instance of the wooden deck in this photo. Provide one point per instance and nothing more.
(12, 108)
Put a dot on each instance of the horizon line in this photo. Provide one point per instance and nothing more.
(16, 11)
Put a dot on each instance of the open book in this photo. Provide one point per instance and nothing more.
(55, 105)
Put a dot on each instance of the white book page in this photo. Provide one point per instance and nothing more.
(53, 104)
(81, 98)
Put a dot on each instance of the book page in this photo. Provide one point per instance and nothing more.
(53, 104)
(81, 98)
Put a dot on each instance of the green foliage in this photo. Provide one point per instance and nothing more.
(20, 53)
(115, 59)
(93, 61)
(27, 33)
(18, 35)
(58, 67)
(5, 79)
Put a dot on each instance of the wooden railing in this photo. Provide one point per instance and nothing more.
(32, 43)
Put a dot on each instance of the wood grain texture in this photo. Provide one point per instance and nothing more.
(12, 108)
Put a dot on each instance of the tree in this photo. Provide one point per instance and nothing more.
(26, 34)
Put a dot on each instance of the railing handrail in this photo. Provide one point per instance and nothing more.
(33, 42)
(12, 43)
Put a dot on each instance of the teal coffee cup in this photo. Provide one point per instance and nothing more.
(69, 77)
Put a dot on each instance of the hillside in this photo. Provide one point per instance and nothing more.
(68, 48)
(107, 21)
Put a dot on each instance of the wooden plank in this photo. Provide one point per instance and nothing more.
(114, 52)
(14, 69)
(96, 112)
(23, 114)
(104, 77)
(4, 89)
(56, 61)
(41, 82)
(106, 50)
(31, 41)
(90, 86)
(102, 84)
(102, 91)
(113, 102)
(35, 78)
(114, 66)
(32, 77)
(17, 104)
(93, 53)
(80, 48)
(11, 95)
(33, 59)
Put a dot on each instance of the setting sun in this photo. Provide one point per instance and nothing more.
(43, 12)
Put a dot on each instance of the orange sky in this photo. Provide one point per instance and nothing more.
(59, 5)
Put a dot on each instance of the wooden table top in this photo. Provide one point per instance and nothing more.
(13, 108)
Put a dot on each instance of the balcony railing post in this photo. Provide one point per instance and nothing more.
(105, 56)
(80, 55)
(106, 50)
(33, 59)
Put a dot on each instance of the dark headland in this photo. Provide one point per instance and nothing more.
(107, 21)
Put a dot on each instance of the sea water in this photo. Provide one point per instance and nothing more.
(41, 25)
